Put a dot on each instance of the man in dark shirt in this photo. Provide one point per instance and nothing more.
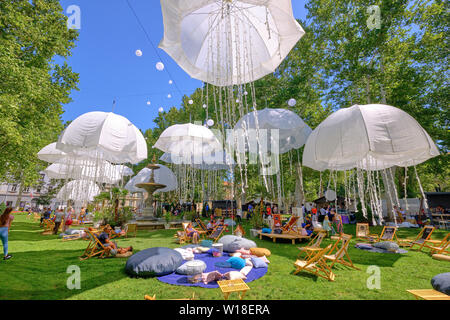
(111, 246)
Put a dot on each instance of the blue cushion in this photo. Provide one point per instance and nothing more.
(206, 243)
(192, 267)
(441, 283)
(156, 261)
(236, 262)
(266, 230)
(258, 263)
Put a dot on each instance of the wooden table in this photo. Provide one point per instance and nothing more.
(429, 294)
(229, 286)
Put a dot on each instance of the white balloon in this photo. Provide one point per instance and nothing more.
(169, 96)
(170, 81)
(149, 103)
(139, 53)
(191, 102)
(161, 109)
(160, 66)
(292, 102)
(205, 106)
(245, 93)
(237, 101)
(210, 122)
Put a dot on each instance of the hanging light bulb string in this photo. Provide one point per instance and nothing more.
(151, 43)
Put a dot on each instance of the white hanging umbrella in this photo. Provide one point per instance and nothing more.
(163, 175)
(50, 154)
(188, 140)
(370, 137)
(228, 42)
(215, 161)
(79, 191)
(112, 137)
(292, 130)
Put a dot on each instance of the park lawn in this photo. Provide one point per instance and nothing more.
(39, 264)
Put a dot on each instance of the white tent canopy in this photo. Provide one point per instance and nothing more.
(79, 191)
(163, 175)
(292, 130)
(110, 136)
(370, 137)
(229, 42)
(188, 140)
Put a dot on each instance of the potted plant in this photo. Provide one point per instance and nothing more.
(257, 222)
(167, 218)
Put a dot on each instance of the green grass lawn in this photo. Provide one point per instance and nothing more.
(38, 270)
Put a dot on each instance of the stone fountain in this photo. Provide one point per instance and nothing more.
(150, 187)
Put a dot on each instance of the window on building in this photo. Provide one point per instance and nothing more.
(9, 203)
(13, 188)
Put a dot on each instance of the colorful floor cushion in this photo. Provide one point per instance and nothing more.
(259, 252)
(151, 262)
(387, 245)
(258, 263)
(232, 243)
(187, 254)
(441, 283)
(236, 262)
(192, 267)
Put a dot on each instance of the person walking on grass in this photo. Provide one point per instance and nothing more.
(5, 224)
(59, 215)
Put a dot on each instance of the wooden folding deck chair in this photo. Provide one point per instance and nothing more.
(339, 254)
(429, 294)
(130, 228)
(49, 226)
(203, 229)
(290, 224)
(363, 232)
(316, 265)
(389, 233)
(423, 236)
(314, 245)
(216, 233)
(439, 247)
(95, 248)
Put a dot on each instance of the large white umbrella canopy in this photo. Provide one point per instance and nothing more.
(292, 130)
(163, 175)
(229, 42)
(370, 137)
(78, 190)
(112, 137)
(188, 140)
(219, 160)
(51, 154)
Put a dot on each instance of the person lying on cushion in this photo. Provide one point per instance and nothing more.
(111, 246)
(192, 233)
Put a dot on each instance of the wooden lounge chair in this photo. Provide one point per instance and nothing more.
(290, 224)
(363, 233)
(339, 254)
(239, 230)
(181, 237)
(423, 236)
(216, 233)
(95, 248)
(49, 226)
(130, 228)
(316, 265)
(439, 247)
(389, 233)
(203, 230)
(429, 294)
(314, 245)
(147, 297)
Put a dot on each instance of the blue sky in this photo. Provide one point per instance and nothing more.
(109, 68)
